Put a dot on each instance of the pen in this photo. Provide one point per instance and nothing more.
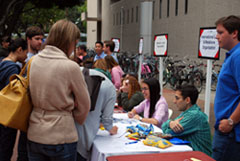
(133, 142)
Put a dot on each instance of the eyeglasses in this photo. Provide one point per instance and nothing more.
(144, 89)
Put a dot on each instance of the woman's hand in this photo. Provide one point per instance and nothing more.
(130, 114)
(114, 130)
(137, 117)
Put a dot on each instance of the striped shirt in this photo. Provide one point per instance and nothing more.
(196, 129)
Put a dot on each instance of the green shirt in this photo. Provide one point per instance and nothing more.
(196, 129)
(128, 104)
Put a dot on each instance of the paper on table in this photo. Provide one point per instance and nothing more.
(120, 133)
(139, 147)
(120, 115)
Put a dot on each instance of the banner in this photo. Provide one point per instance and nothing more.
(117, 44)
(160, 45)
(140, 50)
(208, 44)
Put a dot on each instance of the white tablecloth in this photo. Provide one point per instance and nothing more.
(106, 145)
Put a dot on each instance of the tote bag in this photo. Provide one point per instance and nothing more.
(15, 101)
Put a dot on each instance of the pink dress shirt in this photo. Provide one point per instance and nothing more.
(161, 110)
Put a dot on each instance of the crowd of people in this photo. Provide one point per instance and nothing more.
(62, 127)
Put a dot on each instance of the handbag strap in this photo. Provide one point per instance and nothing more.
(27, 67)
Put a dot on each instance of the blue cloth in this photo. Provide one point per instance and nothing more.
(60, 152)
(80, 158)
(99, 57)
(29, 55)
(7, 68)
(225, 148)
(7, 141)
(228, 88)
(7, 135)
(115, 58)
(22, 147)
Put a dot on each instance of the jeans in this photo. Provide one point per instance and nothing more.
(7, 141)
(22, 147)
(44, 152)
(225, 147)
(80, 158)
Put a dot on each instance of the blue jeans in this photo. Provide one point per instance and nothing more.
(22, 147)
(225, 147)
(80, 158)
(43, 152)
(7, 141)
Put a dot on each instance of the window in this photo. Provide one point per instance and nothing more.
(186, 6)
(176, 8)
(114, 1)
(168, 7)
(132, 15)
(117, 19)
(113, 19)
(160, 8)
(120, 15)
(127, 16)
(136, 13)
(153, 10)
(123, 14)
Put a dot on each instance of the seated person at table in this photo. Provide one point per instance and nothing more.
(130, 94)
(102, 113)
(192, 124)
(154, 107)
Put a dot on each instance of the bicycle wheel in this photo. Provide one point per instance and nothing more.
(165, 78)
(197, 81)
(214, 83)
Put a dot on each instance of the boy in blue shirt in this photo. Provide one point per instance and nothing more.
(226, 141)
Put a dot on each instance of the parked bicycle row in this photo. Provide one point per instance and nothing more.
(176, 71)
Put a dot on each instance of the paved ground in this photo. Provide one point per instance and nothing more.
(169, 95)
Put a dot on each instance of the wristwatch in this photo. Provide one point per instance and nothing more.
(140, 118)
(230, 122)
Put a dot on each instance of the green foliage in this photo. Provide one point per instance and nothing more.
(16, 16)
(45, 17)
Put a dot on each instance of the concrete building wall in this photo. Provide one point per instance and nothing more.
(182, 29)
(94, 13)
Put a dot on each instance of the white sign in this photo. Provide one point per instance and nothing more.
(160, 45)
(140, 50)
(208, 44)
(117, 44)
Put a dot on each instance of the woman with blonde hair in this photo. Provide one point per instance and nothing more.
(59, 96)
(130, 93)
(115, 70)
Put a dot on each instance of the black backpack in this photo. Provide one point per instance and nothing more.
(94, 83)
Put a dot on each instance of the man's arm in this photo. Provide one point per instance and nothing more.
(183, 125)
(225, 126)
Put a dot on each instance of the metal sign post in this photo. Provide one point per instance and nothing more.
(140, 67)
(208, 88)
(161, 74)
(208, 49)
(160, 50)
